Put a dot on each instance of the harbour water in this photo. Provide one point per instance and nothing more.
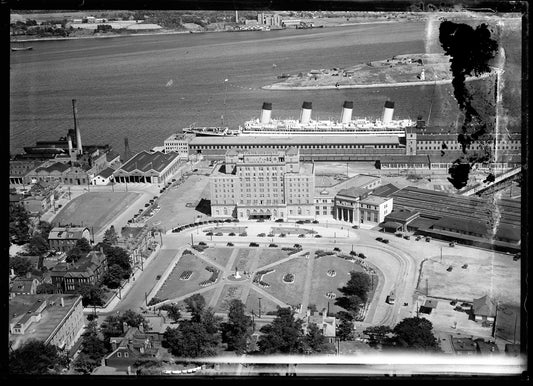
(148, 87)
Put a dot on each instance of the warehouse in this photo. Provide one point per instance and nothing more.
(151, 168)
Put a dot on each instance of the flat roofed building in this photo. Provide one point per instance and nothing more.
(19, 171)
(178, 143)
(64, 238)
(463, 346)
(145, 167)
(53, 319)
(263, 183)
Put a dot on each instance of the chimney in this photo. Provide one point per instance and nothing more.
(76, 128)
(347, 109)
(266, 111)
(13, 272)
(388, 110)
(114, 344)
(69, 144)
(124, 327)
(28, 275)
(306, 112)
(62, 302)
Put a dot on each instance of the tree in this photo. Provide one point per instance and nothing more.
(74, 254)
(34, 357)
(133, 319)
(283, 335)
(173, 311)
(19, 225)
(345, 326)
(92, 295)
(38, 245)
(114, 276)
(191, 339)
(315, 340)
(110, 236)
(46, 288)
(351, 303)
(21, 265)
(83, 245)
(238, 330)
(359, 284)
(44, 228)
(111, 326)
(118, 256)
(93, 350)
(416, 333)
(378, 335)
(195, 305)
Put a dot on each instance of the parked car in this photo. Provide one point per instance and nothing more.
(297, 245)
(252, 244)
(300, 222)
(379, 239)
(398, 235)
(517, 256)
(452, 244)
(282, 235)
(202, 243)
(337, 249)
(270, 235)
(407, 237)
(428, 239)
(230, 244)
(219, 234)
(243, 234)
(301, 235)
(362, 256)
(273, 245)
(261, 235)
(158, 277)
(279, 220)
(465, 266)
(231, 234)
(386, 241)
(418, 238)
(449, 269)
(353, 253)
(315, 221)
(318, 236)
(355, 226)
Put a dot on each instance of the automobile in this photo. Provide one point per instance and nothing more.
(279, 220)
(318, 236)
(219, 234)
(516, 257)
(337, 249)
(243, 234)
(261, 235)
(362, 256)
(195, 170)
(301, 235)
(428, 239)
(162, 190)
(140, 210)
(353, 253)
(273, 245)
(379, 239)
(315, 221)
(407, 237)
(227, 220)
(418, 238)
(300, 222)
(202, 243)
(355, 227)
(297, 245)
(270, 235)
(386, 241)
(173, 180)
(398, 234)
(158, 277)
(155, 197)
(252, 244)
(282, 235)
(453, 302)
(231, 234)
(230, 244)
(452, 244)
(449, 269)
(465, 266)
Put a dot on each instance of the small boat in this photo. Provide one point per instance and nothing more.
(22, 48)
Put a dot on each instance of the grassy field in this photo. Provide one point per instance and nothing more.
(322, 283)
(219, 255)
(252, 303)
(228, 293)
(243, 261)
(174, 287)
(495, 275)
(95, 209)
(290, 230)
(270, 256)
(290, 293)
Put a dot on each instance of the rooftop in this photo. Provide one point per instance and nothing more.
(375, 200)
(145, 161)
(401, 215)
(55, 166)
(107, 172)
(353, 192)
(484, 306)
(67, 233)
(463, 344)
(385, 190)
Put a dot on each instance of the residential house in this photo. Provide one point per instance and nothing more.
(53, 319)
(327, 324)
(104, 178)
(64, 238)
(484, 310)
(67, 277)
(25, 285)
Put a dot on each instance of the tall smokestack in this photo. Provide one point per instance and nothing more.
(388, 110)
(306, 112)
(76, 128)
(347, 109)
(266, 112)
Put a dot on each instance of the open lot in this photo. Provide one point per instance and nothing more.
(495, 275)
(95, 209)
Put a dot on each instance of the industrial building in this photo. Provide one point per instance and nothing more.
(178, 143)
(146, 167)
(263, 183)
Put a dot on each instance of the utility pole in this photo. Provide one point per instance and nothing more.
(192, 240)
(427, 288)
(259, 307)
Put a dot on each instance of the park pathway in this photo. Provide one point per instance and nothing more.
(298, 254)
(307, 285)
(269, 296)
(224, 272)
(207, 260)
(247, 283)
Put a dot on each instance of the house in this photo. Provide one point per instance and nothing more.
(133, 345)
(64, 238)
(26, 285)
(463, 346)
(486, 348)
(104, 178)
(327, 324)
(53, 319)
(484, 310)
(67, 277)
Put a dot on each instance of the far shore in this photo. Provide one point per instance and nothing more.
(275, 87)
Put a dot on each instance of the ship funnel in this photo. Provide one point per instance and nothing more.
(266, 111)
(347, 109)
(388, 110)
(306, 112)
(76, 128)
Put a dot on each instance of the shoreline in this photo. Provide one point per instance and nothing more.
(374, 85)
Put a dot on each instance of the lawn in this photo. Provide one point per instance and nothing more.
(228, 293)
(493, 274)
(207, 295)
(291, 230)
(174, 287)
(270, 256)
(322, 283)
(219, 255)
(236, 230)
(243, 260)
(290, 293)
(95, 209)
(252, 303)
